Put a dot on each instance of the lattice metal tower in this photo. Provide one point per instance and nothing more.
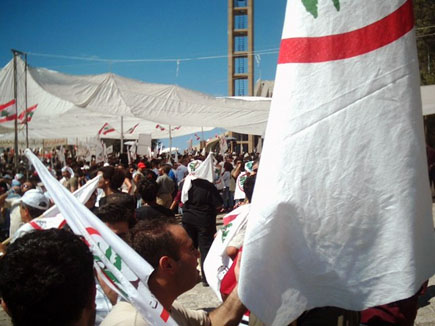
(240, 47)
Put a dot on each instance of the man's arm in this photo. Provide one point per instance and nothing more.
(232, 310)
(228, 313)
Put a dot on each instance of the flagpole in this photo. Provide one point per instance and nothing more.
(170, 142)
(15, 53)
(25, 99)
(122, 134)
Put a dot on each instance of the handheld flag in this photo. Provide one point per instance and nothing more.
(341, 215)
(116, 262)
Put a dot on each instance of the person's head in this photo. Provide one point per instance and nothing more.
(127, 203)
(248, 186)
(166, 246)
(46, 278)
(112, 178)
(67, 172)
(228, 166)
(33, 204)
(147, 188)
(115, 217)
(165, 169)
(141, 166)
(27, 185)
(149, 174)
(90, 204)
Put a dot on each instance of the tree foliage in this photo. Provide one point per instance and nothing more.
(424, 12)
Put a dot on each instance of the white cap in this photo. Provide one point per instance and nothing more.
(35, 198)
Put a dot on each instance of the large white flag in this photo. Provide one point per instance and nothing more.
(123, 269)
(341, 213)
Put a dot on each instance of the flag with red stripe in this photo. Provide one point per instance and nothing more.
(7, 111)
(116, 262)
(27, 113)
(342, 214)
(105, 129)
(160, 127)
(131, 130)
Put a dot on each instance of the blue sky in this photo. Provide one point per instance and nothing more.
(138, 29)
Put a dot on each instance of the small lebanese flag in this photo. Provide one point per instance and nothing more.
(131, 130)
(176, 128)
(30, 111)
(7, 111)
(197, 137)
(105, 129)
(160, 127)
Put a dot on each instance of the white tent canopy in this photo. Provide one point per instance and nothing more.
(71, 106)
(78, 106)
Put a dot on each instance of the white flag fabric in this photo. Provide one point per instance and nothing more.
(223, 145)
(239, 193)
(52, 218)
(217, 262)
(198, 170)
(341, 214)
(123, 268)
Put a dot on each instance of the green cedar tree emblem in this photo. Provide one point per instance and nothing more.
(311, 6)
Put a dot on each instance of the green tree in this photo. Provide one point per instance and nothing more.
(424, 12)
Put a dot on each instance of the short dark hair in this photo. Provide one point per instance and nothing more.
(147, 189)
(112, 213)
(126, 202)
(46, 278)
(248, 186)
(166, 168)
(151, 239)
(115, 176)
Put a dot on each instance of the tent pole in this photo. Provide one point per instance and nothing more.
(122, 134)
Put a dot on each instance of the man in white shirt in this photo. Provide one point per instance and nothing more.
(166, 246)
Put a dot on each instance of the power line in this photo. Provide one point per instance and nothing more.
(176, 60)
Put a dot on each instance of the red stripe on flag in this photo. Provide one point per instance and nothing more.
(164, 315)
(35, 226)
(107, 131)
(61, 225)
(99, 131)
(30, 109)
(8, 118)
(229, 218)
(350, 44)
(92, 231)
(6, 105)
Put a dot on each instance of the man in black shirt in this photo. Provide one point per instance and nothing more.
(199, 216)
(150, 209)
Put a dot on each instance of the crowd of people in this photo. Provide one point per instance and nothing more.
(141, 203)
(41, 282)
